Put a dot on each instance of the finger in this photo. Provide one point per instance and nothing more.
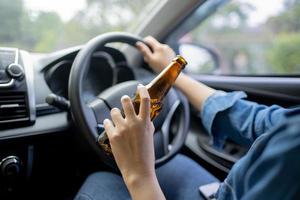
(109, 128)
(152, 42)
(144, 112)
(127, 107)
(116, 116)
(144, 49)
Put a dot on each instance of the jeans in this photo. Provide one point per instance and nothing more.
(180, 178)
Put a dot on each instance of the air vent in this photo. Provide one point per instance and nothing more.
(13, 107)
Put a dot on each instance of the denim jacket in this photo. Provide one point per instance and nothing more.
(271, 168)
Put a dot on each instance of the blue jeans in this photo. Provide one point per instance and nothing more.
(180, 179)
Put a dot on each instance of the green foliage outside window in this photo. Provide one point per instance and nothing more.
(270, 47)
(284, 55)
(41, 31)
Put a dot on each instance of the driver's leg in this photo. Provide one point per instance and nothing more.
(181, 177)
(103, 185)
(179, 180)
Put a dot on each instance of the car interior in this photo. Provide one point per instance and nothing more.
(52, 104)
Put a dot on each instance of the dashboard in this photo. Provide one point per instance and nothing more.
(44, 74)
(107, 67)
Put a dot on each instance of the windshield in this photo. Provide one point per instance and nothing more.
(49, 25)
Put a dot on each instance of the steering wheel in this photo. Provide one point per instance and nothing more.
(171, 125)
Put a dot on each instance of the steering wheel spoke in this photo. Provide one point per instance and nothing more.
(165, 128)
(100, 110)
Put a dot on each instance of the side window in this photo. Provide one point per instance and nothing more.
(248, 37)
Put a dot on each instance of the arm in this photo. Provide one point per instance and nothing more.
(223, 114)
(274, 169)
(227, 115)
(188, 86)
(131, 140)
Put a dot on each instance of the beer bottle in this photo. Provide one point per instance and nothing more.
(157, 88)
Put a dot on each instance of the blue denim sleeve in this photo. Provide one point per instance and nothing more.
(228, 115)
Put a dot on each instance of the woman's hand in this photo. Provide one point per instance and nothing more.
(160, 56)
(131, 138)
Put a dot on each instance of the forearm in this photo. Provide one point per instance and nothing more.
(195, 91)
(144, 188)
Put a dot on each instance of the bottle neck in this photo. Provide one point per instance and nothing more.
(161, 84)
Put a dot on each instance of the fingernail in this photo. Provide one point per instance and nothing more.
(125, 97)
(105, 121)
(140, 85)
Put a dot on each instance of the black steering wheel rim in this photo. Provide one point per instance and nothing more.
(84, 116)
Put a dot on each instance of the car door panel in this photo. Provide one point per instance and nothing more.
(284, 91)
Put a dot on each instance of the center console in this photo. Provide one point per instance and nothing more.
(17, 110)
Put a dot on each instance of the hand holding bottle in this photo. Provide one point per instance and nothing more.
(157, 89)
(131, 139)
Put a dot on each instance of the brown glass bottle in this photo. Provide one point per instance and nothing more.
(157, 88)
